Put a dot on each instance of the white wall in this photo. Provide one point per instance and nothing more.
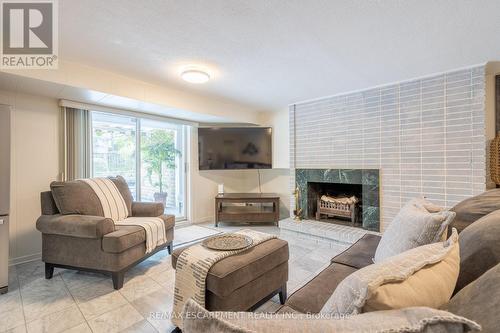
(276, 180)
(281, 134)
(34, 163)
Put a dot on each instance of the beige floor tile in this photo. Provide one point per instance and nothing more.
(308, 264)
(47, 306)
(149, 267)
(190, 233)
(97, 289)
(42, 297)
(323, 255)
(41, 289)
(79, 279)
(101, 304)
(156, 308)
(297, 274)
(11, 319)
(18, 329)
(141, 327)
(166, 278)
(138, 287)
(116, 320)
(98, 299)
(32, 271)
(57, 322)
(82, 328)
(10, 301)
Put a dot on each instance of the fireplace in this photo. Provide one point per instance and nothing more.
(340, 202)
(363, 184)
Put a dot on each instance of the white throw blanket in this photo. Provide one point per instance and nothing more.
(192, 269)
(113, 204)
(115, 208)
(154, 227)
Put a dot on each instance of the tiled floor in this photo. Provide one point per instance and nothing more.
(84, 302)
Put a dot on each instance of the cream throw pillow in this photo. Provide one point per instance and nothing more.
(418, 223)
(423, 276)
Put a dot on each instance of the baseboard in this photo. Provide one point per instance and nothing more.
(206, 219)
(25, 259)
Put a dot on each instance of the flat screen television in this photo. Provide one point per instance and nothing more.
(235, 148)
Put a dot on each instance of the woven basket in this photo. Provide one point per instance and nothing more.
(495, 160)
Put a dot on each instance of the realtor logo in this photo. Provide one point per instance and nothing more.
(29, 34)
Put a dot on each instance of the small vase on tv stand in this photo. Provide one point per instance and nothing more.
(161, 197)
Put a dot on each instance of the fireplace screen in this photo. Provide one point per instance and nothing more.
(337, 203)
(346, 207)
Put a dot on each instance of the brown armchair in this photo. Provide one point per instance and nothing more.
(80, 238)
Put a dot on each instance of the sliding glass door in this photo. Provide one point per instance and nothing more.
(114, 147)
(149, 154)
(162, 165)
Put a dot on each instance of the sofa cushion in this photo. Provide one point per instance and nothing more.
(480, 301)
(123, 239)
(235, 271)
(417, 223)
(311, 297)
(147, 209)
(472, 209)
(423, 320)
(76, 197)
(246, 297)
(48, 204)
(126, 237)
(359, 254)
(122, 186)
(479, 248)
(423, 276)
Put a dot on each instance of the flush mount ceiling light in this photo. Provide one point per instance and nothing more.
(195, 76)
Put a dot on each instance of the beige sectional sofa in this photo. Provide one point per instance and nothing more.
(476, 297)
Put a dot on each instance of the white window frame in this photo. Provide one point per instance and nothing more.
(184, 162)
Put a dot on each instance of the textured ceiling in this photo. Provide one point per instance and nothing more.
(270, 53)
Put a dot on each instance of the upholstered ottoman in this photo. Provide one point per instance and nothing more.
(245, 281)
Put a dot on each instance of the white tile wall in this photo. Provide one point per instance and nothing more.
(427, 136)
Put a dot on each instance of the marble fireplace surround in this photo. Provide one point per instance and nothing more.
(369, 179)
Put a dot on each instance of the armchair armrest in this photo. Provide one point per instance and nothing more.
(82, 226)
(147, 209)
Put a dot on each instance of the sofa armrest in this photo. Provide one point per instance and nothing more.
(147, 209)
(81, 226)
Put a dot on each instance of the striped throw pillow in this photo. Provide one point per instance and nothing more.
(113, 204)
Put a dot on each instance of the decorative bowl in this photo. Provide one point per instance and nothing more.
(227, 242)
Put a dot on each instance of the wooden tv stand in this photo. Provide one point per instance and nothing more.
(247, 207)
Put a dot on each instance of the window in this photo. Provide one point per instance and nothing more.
(149, 154)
